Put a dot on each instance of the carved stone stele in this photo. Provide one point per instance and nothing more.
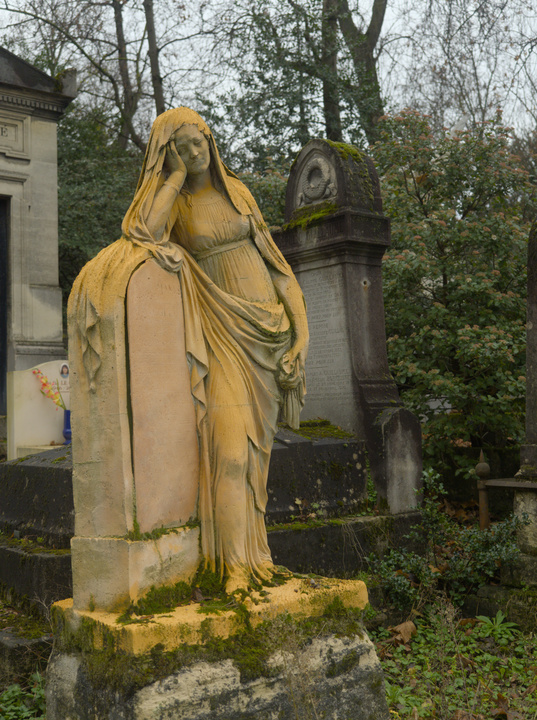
(334, 238)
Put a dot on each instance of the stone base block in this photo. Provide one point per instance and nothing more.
(194, 665)
(300, 597)
(110, 573)
(395, 456)
(521, 572)
(336, 678)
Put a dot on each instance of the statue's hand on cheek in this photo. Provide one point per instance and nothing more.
(174, 163)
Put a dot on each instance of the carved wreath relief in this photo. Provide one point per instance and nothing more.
(317, 181)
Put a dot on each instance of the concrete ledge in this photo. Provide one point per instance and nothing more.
(36, 493)
(337, 548)
(341, 546)
(36, 496)
(300, 597)
(41, 577)
(20, 657)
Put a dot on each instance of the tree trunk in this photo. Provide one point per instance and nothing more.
(331, 104)
(156, 79)
(361, 47)
(130, 98)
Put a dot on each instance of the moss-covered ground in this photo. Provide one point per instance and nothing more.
(31, 544)
(321, 429)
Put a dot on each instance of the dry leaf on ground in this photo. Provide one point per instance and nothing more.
(403, 632)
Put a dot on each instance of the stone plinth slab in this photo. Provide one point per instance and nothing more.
(110, 573)
(300, 597)
(333, 677)
(325, 668)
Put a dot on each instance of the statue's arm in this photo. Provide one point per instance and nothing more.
(163, 204)
(291, 296)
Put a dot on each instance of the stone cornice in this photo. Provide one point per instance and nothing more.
(37, 103)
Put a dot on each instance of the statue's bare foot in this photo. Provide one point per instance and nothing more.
(238, 579)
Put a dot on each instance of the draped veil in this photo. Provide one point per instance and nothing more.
(245, 337)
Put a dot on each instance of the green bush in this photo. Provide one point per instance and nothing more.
(454, 559)
(455, 281)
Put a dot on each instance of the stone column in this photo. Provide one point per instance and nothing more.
(525, 501)
(334, 238)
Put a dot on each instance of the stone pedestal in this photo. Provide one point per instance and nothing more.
(113, 572)
(334, 238)
(125, 501)
(297, 646)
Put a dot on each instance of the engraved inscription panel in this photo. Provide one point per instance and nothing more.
(329, 366)
(11, 134)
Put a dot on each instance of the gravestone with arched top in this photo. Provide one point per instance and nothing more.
(334, 238)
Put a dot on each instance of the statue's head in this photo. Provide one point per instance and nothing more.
(182, 123)
(195, 143)
(193, 149)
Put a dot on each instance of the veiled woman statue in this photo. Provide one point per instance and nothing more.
(246, 334)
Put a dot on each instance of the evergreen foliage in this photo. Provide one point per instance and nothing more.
(455, 281)
(97, 179)
(453, 559)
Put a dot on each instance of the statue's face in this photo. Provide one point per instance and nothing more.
(193, 149)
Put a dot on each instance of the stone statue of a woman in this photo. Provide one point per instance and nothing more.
(245, 329)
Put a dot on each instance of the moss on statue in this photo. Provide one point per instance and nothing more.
(207, 589)
(136, 535)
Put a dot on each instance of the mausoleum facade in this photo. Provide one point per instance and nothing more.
(31, 103)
